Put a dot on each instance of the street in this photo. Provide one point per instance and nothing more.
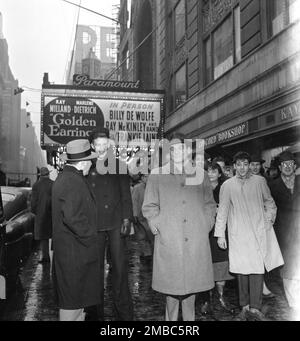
(35, 301)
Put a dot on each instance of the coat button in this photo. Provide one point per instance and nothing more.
(183, 201)
(184, 220)
(186, 239)
(106, 206)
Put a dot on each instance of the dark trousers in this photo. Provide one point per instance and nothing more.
(122, 301)
(250, 290)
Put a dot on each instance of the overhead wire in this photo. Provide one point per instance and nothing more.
(117, 21)
(70, 47)
(73, 50)
(90, 10)
(131, 54)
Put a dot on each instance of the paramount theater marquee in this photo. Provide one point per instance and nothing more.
(72, 112)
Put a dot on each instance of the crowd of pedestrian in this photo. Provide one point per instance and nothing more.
(238, 222)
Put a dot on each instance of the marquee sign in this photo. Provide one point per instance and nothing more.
(84, 80)
(69, 113)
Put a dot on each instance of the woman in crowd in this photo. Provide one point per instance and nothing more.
(219, 256)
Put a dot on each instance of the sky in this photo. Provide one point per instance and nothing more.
(40, 36)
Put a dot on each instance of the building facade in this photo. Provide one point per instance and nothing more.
(10, 108)
(31, 154)
(95, 52)
(231, 69)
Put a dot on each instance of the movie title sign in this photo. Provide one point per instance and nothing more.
(69, 114)
(84, 80)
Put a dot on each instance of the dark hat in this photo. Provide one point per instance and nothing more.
(78, 150)
(44, 171)
(176, 138)
(257, 158)
(286, 156)
(100, 132)
(274, 163)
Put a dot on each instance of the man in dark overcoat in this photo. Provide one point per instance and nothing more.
(286, 193)
(114, 212)
(75, 258)
(41, 207)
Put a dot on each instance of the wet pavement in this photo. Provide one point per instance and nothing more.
(34, 299)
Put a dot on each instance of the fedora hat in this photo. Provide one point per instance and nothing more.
(257, 158)
(44, 171)
(286, 156)
(78, 150)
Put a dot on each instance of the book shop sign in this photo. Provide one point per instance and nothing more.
(227, 135)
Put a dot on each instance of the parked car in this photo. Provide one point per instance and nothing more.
(16, 234)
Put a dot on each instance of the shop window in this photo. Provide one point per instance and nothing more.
(180, 86)
(282, 13)
(223, 46)
(180, 21)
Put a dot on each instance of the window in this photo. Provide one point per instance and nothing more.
(283, 12)
(222, 46)
(237, 34)
(294, 10)
(180, 86)
(180, 23)
(208, 70)
(127, 60)
(128, 13)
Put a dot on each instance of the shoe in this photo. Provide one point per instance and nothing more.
(225, 305)
(242, 316)
(206, 308)
(269, 295)
(256, 315)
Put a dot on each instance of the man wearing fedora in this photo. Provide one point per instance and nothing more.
(286, 193)
(256, 165)
(41, 207)
(111, 187)
(76, 261)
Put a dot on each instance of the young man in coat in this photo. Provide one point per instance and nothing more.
(76, 260)
(248, 209)
(111, 188)
(286, 193)
(256, 168)
(180, 215)
(41, 207)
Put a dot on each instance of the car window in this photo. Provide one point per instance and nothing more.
(7, 197)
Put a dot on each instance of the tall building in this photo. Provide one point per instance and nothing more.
(10, 107)
(31, 154)
(94, 53)
(231, 69)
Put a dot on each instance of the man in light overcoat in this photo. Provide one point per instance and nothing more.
(248, 209)
(180, 216)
